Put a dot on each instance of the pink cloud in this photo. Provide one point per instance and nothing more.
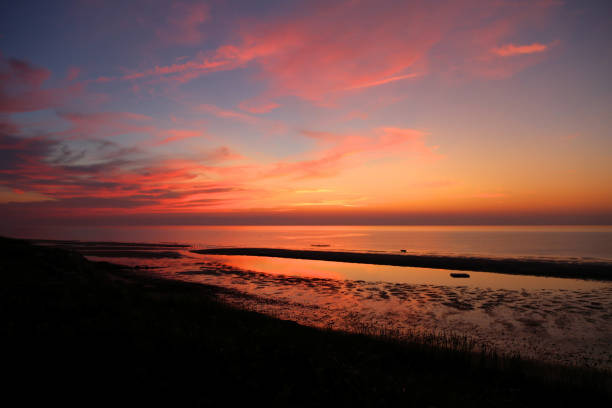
(104, 124)
(269, 125)
(220, 154)
(510, 50)
(384, 81)
(21, 88)
(571, 136)
(309, 55)
(338, 152)
(104, 79)
(173, 135)
(182, 72)
(355, 115)
(183, 25)
(227, 114)
(93, 177)
(73, 73)
(258, 106)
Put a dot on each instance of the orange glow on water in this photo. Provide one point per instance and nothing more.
(396, 274)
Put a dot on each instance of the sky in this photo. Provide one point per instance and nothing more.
(305, 112)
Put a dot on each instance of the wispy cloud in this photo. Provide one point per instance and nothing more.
(184, 23)
(309, 55)
(258, 105)
(269, 125)
(339, 152)
(227, 114)
(314, 191)
(384, 81)
(91, 125)
(490, 195)
(21, 88)
(174, 135)
(511, 50)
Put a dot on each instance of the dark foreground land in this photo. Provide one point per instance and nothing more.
(79, 332)
(516, 266)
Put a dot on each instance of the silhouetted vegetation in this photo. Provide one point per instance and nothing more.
(93, 333)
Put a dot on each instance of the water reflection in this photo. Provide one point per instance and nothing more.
(395, 274)
(581, 242)
(553, 319)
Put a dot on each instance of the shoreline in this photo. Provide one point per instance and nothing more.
(600, 270)
(177, 342)
(534, 267)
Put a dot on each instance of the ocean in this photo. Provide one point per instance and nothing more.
(550, 242)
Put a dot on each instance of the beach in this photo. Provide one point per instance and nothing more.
(98, 321)
(539, 317)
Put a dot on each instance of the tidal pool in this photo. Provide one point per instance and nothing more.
(558, 320)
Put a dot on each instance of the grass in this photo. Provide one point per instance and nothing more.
(85, 333)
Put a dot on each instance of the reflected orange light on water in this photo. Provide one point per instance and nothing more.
(396, 274)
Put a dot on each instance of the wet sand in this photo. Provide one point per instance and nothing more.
(537, 267)
(71, 325)
(563, 321)
(572, 327)
(567, 321)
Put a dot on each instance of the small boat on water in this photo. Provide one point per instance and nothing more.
(459, 275)
(320, 245)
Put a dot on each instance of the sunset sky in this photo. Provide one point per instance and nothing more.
(383, 112)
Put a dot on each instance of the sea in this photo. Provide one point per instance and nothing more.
(588, 243)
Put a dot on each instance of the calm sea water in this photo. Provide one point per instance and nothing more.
(581, 242)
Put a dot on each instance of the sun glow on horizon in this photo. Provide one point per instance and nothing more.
(476, 112)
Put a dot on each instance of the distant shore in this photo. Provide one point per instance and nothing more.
(517, 266)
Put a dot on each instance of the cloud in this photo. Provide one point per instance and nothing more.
(338, 152)
(174, 135)
(314, 191)
(115, 184)
(490, 195)
(228, 114)
(21, 88)
(183, 72)
(306, 53)
(19, 196)
(571, 136)
(93, 125)
(326, 203)
(258, 105)
(96, 176)
(220, 154)
(384, 81)
(511, 50)
(183, 24)
(92, 176)
(269, 125)
(73, 73)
